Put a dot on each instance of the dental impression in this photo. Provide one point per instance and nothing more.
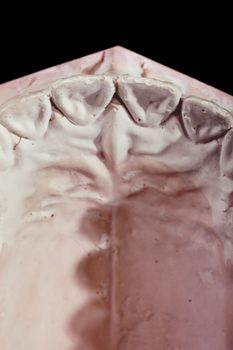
(116, 231)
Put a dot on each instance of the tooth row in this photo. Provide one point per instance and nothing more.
(82, 99)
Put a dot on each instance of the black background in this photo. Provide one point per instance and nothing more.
(191, 45)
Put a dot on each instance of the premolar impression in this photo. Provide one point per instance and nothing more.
(82, 99)
(204, 120)
(27, 116)
(149, 101)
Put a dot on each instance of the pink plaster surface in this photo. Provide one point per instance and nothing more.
(114, 235)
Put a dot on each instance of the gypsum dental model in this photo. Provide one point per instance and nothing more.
(115, 208)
